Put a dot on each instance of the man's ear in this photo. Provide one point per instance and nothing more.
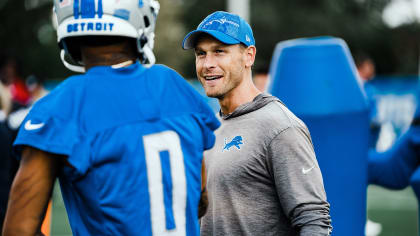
(250, 53)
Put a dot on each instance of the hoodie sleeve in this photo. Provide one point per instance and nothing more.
(298, 181)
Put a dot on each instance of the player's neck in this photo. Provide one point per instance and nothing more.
(108, 60)
(107, 56)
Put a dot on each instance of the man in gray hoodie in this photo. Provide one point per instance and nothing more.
(262, 174)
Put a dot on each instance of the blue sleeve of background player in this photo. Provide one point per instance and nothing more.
(394, 167)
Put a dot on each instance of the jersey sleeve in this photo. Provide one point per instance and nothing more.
(207, 119)
(47, 133)
(52, 123)
(210, 124)
(298, 181)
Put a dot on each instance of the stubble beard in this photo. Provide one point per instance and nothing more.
(219, 95)
(224, 90)
(214, 94)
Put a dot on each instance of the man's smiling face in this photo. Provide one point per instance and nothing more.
(220, 67)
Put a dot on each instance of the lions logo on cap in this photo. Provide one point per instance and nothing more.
(221, 21)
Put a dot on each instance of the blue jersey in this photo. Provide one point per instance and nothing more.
(135, 139)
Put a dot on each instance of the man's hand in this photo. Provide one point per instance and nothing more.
(30, 193)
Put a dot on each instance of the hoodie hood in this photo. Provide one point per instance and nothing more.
(259, 101)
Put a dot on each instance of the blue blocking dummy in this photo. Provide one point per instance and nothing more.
(316, 78)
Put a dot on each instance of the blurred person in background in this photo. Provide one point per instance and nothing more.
(125, 138)
(14, 120)
(394, 167)
(6, 162)
(11, 78)
(12, 123)
(36, 88)
(398, 167)
(262, 174)
(5, 100)
(365, 66)
(13, 97)
(36, 91)
(366, 70)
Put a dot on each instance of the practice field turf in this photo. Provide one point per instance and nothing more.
(395, 210)
(60, 224)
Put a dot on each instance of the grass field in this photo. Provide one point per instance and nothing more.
(395, 210)
(60, 224)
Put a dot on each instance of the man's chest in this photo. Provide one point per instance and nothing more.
(239, 152)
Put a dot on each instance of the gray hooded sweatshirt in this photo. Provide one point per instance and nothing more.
(262, 175)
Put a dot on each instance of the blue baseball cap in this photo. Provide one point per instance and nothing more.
(226, 27)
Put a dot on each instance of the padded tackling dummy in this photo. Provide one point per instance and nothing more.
(316, 78)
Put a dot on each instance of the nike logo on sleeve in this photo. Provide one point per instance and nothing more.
(305, 171)
(31, 126)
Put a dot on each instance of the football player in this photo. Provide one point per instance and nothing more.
(125, 138)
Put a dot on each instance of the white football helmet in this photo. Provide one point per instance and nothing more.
(127, 18)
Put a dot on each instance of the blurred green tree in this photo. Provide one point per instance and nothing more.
(26, 31)
(193, 13)
(358, 22)
(169, 34)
